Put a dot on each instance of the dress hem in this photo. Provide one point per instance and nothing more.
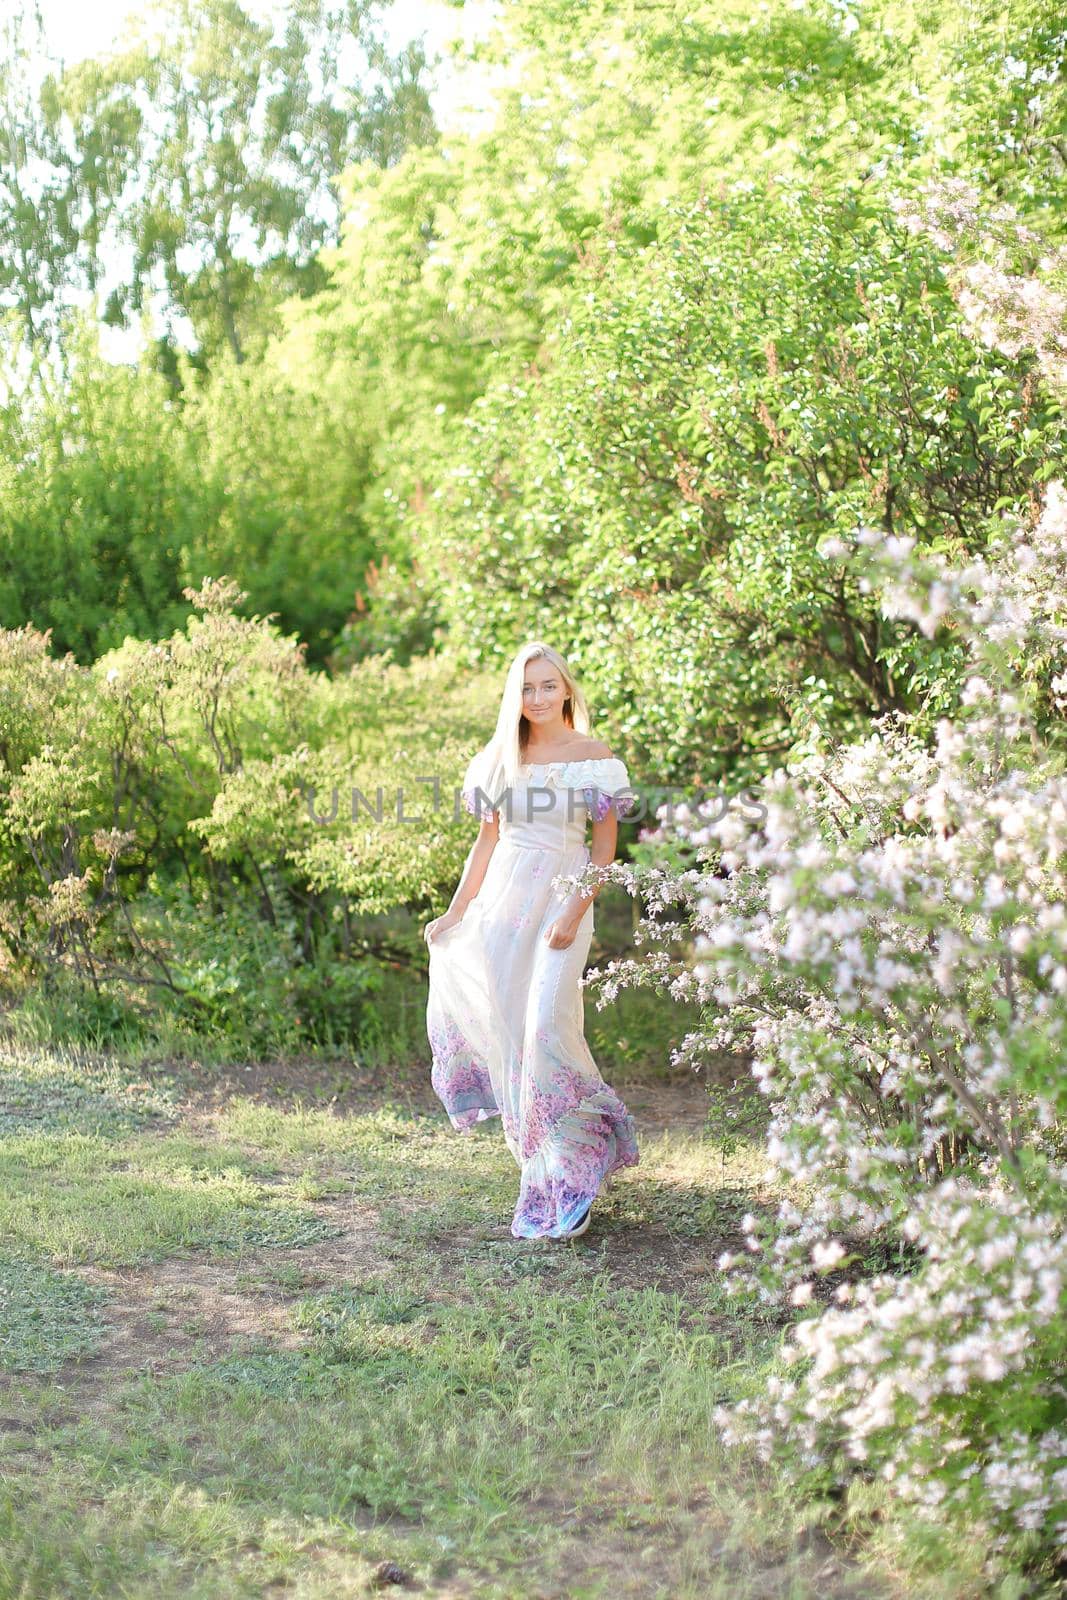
(576, 1211)
(552, 1190)
(467, 1121)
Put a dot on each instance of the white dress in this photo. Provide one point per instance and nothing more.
(505, 1015)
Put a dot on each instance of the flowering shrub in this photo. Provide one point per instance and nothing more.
(179, 826)
(893, 941)
(946, 1379)
(888, 936)
(1008, 309)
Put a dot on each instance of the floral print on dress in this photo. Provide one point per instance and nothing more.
(600, 804)
(461, 1081)
(586, 1144)
(504, 1012)
(547, 1102)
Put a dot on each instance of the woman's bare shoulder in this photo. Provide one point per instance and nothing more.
(593, 750)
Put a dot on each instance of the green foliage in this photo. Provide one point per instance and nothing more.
(306, 466)
(37, 231)
(653, 494)
(470, 255)
(603, 115)
(205, 150)
(279, 492)
(115, 497)
(95, 502)
(241, 982)
(1008, 92)
(165, 845)
(396, 616)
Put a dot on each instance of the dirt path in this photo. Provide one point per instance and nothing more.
(347, 1089)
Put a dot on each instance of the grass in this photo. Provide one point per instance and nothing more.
(79, 1197)
(252, 1348)
(46, 1317)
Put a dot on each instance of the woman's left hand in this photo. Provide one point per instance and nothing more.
(560, 934)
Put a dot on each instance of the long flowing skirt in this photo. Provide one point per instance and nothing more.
(506, 1026)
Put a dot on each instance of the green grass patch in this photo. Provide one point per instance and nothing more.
(305, 1130)
(46, 1317)
(52, 1091)
(78, 1197)
(488, 1430)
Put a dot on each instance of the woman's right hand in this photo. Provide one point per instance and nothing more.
(441, 925)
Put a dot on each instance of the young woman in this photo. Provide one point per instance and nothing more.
(505, 1016)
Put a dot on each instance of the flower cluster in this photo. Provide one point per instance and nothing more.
(917, 1377)
(1007, 310)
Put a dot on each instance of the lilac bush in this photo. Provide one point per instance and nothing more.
(887, 938)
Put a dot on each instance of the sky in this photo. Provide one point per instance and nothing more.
(77, 30)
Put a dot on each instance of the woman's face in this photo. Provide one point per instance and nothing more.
(543, 693)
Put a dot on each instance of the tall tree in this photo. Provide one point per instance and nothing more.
(198, 164)
(249, 125)
(37, 235)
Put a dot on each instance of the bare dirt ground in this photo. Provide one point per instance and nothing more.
(347, 1088)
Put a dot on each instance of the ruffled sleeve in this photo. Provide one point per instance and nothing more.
(473, 782)
(605, 783)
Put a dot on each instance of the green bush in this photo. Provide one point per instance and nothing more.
(711, 407)
(160, 852)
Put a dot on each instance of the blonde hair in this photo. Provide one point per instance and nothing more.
(505, 753)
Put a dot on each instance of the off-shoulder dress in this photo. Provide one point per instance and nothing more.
(505, 1014)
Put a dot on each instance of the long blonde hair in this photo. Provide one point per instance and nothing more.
(502, 757)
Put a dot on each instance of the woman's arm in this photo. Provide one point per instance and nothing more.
(477, 865)
(564, 928)
(473, 876)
